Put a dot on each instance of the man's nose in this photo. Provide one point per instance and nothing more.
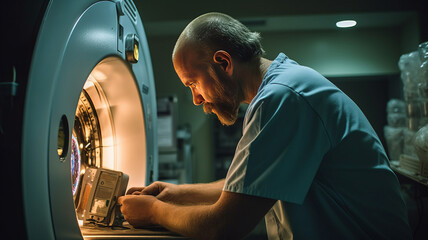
(197, 97)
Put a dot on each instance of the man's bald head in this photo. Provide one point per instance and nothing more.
(211, 32)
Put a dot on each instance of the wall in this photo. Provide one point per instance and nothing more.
(334, 53)
(341, 52)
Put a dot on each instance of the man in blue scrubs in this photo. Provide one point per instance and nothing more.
(308, 160)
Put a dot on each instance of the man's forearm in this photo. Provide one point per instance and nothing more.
(232, 217)
(202, 193)
(184, 220)
(195, 221)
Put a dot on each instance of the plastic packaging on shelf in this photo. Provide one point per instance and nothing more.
(408, 147)
(409, 64)
(423, 68)
(408, 142)
(421, 148)
(396, 119)
(423, 81)
(394, 140)
(396, 113)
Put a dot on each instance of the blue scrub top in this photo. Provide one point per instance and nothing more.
(308, 145)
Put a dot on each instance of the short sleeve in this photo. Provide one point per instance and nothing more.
(283, 144)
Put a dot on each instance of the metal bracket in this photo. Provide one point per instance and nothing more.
(9, 88)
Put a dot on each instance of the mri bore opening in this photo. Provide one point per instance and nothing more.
(108, 130)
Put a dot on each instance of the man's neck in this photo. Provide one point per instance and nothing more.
(252, 78)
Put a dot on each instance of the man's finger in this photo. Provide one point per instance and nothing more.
(152, 189)
(134, 189)
(120, 200)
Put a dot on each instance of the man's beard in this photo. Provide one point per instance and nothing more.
(226, 98)
(225, 113)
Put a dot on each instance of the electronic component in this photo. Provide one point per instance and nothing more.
(98, 196)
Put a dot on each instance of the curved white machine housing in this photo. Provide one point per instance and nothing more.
(81, 45)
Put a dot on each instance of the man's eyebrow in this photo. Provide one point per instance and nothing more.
(188, 83)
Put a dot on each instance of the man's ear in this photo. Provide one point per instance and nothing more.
(224, 59)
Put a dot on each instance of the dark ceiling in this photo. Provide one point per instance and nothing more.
(173, 10)
(182, 10)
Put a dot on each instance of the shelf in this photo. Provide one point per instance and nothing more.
(412, 175)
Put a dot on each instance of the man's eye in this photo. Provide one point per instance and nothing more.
(192, 85)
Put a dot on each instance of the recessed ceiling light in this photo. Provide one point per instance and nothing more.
(346, 24)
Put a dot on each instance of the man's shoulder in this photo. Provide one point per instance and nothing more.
(274, 92)
(295, 77)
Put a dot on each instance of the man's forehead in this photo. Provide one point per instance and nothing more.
(184, 69)
(187, 73)
(187, 61)
(184, 54)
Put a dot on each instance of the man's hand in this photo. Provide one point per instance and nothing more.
(137, 209)
(163, 191)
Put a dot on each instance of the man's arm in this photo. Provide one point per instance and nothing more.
(233, 216)
(184, 194)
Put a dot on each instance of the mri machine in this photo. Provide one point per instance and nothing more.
(77, 93)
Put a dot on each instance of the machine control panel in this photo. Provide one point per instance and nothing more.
(98, 194)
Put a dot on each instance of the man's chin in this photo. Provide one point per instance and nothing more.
(225, 120)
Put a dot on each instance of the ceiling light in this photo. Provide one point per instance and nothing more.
(346, 24)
